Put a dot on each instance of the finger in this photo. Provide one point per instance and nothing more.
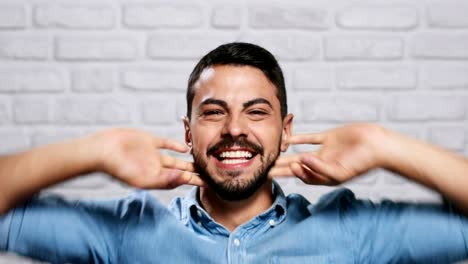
(196, 180)
(277, 172)
(171, 144)
(172, 178)
(319, 178)
(318, 165)
(288, 159)
(170, 162)
(310, 138)
(304, 174)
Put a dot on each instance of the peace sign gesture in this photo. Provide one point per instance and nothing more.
(344, 153)
(134, 157)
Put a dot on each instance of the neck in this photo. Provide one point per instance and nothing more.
(231, 214)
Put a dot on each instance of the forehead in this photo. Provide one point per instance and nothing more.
(234, 84)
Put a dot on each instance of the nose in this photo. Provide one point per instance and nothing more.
(235, 127)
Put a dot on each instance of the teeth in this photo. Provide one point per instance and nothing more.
(235, 154)
(234, 161)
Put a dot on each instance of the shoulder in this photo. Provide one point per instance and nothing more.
(335, 200)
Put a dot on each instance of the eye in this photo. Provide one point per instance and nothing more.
(212, 112)
(257, 112)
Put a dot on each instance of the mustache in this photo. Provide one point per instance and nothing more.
(229, 142)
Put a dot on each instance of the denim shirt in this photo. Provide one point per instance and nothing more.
(139, 229)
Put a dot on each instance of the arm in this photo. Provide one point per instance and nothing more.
(352, 150)
(129, 155)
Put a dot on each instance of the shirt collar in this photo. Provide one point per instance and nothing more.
(191, 206)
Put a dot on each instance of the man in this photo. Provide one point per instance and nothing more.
(236, 126)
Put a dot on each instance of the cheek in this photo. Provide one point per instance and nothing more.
(203, 136)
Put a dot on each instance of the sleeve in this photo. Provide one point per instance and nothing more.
(59, 231)
(391, 232)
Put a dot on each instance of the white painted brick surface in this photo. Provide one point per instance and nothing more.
(12, 16)
(339, 110)
(31, 110)
(94, 80)
(68, 68)
(445, 77)
(75, 16)
(160, 111)
(305, 17)
(226, 16)
(31, 79)
(96, 48)
(27, 47)
(447, 14)
(313, 79)
(452, 138)
(363, 48)
(378, 17)
(184, 45)
(155, 79)
(162, 15)
(287, 46)
(428, 107)
(440, 46)
(376, 78)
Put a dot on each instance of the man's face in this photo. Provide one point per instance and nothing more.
(235, 129)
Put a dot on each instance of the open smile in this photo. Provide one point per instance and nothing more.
(234, 158)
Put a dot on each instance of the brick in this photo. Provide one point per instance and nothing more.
(155, 79)
(313, 79)
(363, 48)
(447, 14)
(31, 110)
(339, 110)
(376, 78)
(12, 16)
(444, 77)
(427, 107)
(159, 111)
(184, 46)
(31, 80)
(75, 16)
(275, 17)
(297, 47)
(377, 17)
(452, 138)
(94, 80)
(13, 141)
(226, 17)
(83, 111)
(438, 46)
(162, 15)
(96, 48)
(4, 112)
(24, 47)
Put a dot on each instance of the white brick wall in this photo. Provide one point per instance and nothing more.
(73, 67)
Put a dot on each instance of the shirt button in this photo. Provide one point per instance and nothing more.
(272, 222)
(199, 223)
(236, 242)
(199, 213)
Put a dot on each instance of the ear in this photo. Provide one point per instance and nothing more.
(287, 131)
(188, 134)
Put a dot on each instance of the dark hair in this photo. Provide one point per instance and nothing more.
(241, 54)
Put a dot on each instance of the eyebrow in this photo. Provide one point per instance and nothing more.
(257, 101)
(209, 101)
(247, 104)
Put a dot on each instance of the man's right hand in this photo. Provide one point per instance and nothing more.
(134, 157)
(130, 155)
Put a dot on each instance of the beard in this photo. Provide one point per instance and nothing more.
(236, 189)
